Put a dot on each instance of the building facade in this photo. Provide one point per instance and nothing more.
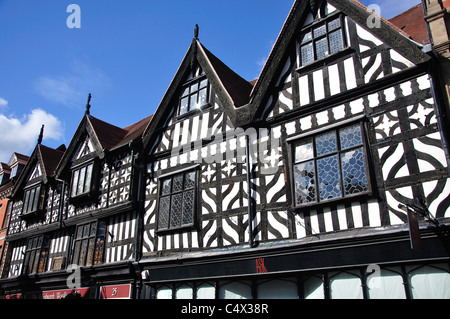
(327, 177)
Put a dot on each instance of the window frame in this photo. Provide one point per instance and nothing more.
(39, 251)
(187, 86)
(88, 191)
(93, 255)
(310, 29)
(169, 195)
(295, 141)
(35, 194)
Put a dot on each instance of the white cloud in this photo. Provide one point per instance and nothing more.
(21, 134)
(72, 89)
(3, 102)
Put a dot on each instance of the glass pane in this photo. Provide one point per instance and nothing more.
(313, 288)
(193, 102)
(329, 181)
(175, 210)
(84, 246)
(203, 83)
(190, 180)
(81, 181)
(178, 183)
(203, 97)
(345, 286)
(93, 230)
(76, 252)
(86, 230)
(36, 261)
(336, 23)
(37, 195)
(429, 282)
(304, 183)
(235, 290)
(206, 291)
(80, 232)
(350, 136)
(354, 172)
(194, 87)
(184, 292)
(87, 182)
(75, 182)
(166, 186)
(278, 289)
(326, 143)
(188, 207)
(101, 228)
(321, 48)
(43, 260)
(164, 293)
(25, 202)
(164, 205)
(306, 37)
(185, 91)
(184, 105)
(386, 285)
(307, 54)
(31, 200)
(336, 41)
(322, 30)
(98, 255)
(90, 252)
(304, 151)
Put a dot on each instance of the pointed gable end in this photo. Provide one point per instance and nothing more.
(350, 43)
(199, 63)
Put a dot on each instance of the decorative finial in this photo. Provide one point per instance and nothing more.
(41, 135)
(88, 106)
(196, 31)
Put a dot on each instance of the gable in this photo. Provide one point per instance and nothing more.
(203, 76)
(36, 173)
(84, 148)
(329, 55)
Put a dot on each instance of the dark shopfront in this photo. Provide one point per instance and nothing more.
(376, 266)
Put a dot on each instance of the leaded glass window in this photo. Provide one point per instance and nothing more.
(89, 244)
(322, 40)
(330, 165)
(31, 201)
(36, 254)
(81, 180)
(177, 200)
(194, 95)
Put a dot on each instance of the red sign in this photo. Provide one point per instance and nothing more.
(62, 294)
(116, 292)
(260, 268)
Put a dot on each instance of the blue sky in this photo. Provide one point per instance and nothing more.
(125, 53)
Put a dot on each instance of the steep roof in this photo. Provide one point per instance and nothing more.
(50, 158)
(412, 22)
(238, 88)
(111, 136)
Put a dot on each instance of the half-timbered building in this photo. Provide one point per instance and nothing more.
(327, 177)
(301, 184)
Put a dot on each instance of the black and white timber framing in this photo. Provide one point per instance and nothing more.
(236, 213)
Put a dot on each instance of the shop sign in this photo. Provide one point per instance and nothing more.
(62, 294)
(116, 292)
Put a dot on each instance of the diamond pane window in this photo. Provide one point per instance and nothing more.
(323, 39)
(329, 166)
(177, 201)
